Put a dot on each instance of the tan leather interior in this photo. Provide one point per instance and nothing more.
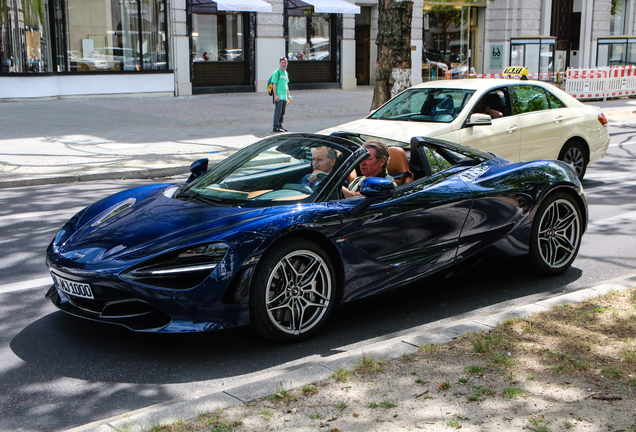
(399, 166)
(352, 176)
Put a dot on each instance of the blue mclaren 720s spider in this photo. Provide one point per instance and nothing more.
(252, 242)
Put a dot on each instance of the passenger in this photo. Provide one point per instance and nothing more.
(323, 160)
(485, 106)
(373, 166)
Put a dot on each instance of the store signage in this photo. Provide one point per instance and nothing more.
(496, 57)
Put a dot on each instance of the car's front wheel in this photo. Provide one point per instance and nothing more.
(556, 234)
(574, 154)
(293, 291)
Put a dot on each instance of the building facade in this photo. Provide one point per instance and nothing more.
(59, 48)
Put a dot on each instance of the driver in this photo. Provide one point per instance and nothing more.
(323, 160)
(485, 106)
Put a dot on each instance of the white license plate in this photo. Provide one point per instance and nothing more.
(69, 287)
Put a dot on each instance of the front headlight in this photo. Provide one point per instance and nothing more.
(182, 269)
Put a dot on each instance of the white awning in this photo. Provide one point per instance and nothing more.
(333, 6)
(243, 5)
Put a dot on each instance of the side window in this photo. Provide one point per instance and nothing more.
(528, 98)
(555, 102)
(494, 103)
(436, 161)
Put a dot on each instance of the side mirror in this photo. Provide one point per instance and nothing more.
(376, 187)
(479, 120)
(197, 168)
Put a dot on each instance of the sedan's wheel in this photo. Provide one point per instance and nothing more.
(556, 234)
(574, 154)
(293, 291)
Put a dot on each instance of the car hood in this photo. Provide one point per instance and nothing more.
(154, 224)
(391, 129)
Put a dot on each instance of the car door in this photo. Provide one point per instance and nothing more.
(412, 233)
(545, 121)
(502, 137)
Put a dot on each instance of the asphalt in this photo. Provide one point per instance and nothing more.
(69, 140)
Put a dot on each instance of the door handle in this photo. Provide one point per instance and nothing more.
(511, 129)
(558, 119)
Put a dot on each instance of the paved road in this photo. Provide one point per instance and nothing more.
(50, 362)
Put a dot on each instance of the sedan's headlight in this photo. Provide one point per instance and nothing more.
(182, 269)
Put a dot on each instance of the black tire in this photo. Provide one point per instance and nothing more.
(293, 291)
(575, 154)
(556, 234)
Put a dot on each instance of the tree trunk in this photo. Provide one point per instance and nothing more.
(393, 71)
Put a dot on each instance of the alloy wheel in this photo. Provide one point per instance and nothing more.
(298, 292)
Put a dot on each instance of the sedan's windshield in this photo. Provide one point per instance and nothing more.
(279, 170)
(439, 105)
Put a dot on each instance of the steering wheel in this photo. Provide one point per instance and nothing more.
(299, 187)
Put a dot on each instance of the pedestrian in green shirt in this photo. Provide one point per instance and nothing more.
(280, 90)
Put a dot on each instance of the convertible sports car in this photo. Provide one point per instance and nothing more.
(524, 120)
(248, 243)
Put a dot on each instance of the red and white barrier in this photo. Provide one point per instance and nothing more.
(601, 83)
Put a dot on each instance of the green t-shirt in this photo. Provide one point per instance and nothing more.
(281, 79)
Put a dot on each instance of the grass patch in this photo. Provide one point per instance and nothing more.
(537, 424)
(475, 370)
(479, 392)
(610, 372)
(502, 360)
(512, 393)
(428, 349)
(281, 394)
(309, 390)
(367, 363)
(341, 374)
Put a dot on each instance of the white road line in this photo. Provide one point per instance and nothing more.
(21, 286)
(616, 220)
(623, 144)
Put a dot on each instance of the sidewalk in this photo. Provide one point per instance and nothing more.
(69, 140)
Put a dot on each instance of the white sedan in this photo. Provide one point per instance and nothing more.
(515, 119)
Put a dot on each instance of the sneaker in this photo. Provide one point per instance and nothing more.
(283, 129)
(277, 130)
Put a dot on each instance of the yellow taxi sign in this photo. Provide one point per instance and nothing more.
(515, 70)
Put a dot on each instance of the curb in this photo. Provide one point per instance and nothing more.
(317, 370)
(76, 178)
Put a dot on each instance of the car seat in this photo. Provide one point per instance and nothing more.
(398, 166)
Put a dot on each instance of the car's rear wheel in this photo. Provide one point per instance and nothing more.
(556, 234)
(574, 154)
(293, 291)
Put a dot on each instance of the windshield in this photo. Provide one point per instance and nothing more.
(438, 105)
(274, 171)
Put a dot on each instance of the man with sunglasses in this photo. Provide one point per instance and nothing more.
(280, 91)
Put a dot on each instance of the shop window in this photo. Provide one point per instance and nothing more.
(24, 36)
(535, 54)
(449, 38)
(616, 52)
(617, 22)
(309, 37)
(217, 37)
(114, 35)
(85, 35)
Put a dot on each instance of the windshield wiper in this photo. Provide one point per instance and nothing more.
(190, 196)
